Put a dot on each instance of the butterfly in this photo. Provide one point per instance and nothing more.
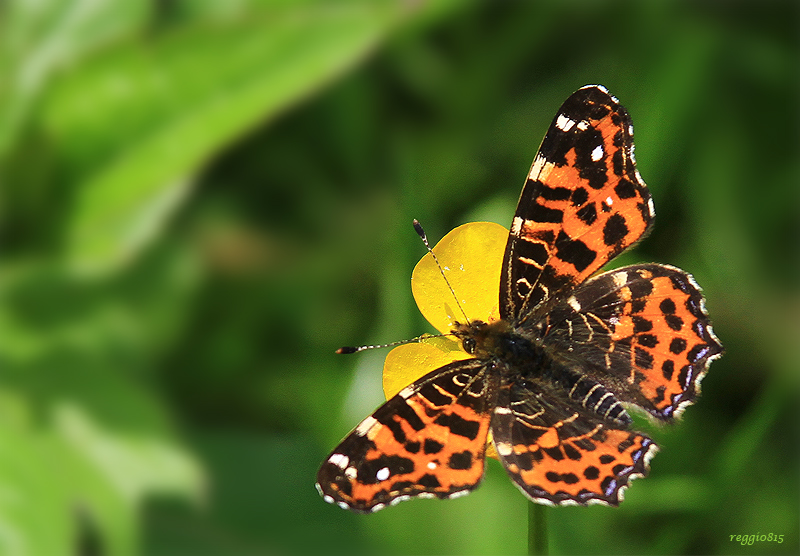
(551, 381)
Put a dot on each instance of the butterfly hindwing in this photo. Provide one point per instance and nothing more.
(642, 331)
(582, 204)
(428, 440)
(560, 454)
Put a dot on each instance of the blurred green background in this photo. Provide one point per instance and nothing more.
(200, 201)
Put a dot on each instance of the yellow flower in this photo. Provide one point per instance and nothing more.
(471, 256)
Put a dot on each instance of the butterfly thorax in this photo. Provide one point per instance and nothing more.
(499, 340)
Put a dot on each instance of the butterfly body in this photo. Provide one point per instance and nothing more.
(551, 378)
(519, 358)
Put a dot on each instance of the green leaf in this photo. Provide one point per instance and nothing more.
(34, 516)
(84, 434)
(111, 472)
(135, 124)
(50, 478)
(36, 38)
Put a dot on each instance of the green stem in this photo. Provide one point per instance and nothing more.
(537, 529)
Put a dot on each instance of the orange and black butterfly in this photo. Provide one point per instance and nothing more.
(551, 379)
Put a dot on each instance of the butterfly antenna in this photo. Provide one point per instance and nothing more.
(421, 233)
(349, 349)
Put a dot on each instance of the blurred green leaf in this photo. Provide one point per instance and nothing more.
(111, 473)
(34, 514)
(144, 118)
(49, 479)
(39, 38)
(132, 465)
(73, 383)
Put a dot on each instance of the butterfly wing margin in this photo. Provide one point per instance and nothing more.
(583, 203)
(427, 441)
(644, 333)
(559, 455)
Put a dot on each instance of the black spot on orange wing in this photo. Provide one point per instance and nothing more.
(615, 230)
(430, 439)
(574, 252)
(583, 203)
(461, 460)
(432, 446)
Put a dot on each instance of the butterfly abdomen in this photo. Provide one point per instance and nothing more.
(590, 394)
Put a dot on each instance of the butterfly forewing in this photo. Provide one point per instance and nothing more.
(430, 439)
(582, 204)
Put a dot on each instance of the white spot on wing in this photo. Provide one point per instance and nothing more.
(503, 448)
(652, 451)
(538, 166)
(563, 123)
(406, 392)
(459, 493)
(432, 465)
(339, 460)
(365, 425)
(597, 153)
(609, 201)
(382, 474)
(620, 279)
(516, 225)
(574, 303)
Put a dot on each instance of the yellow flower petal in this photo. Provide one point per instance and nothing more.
(471, 256)
(409, 362)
